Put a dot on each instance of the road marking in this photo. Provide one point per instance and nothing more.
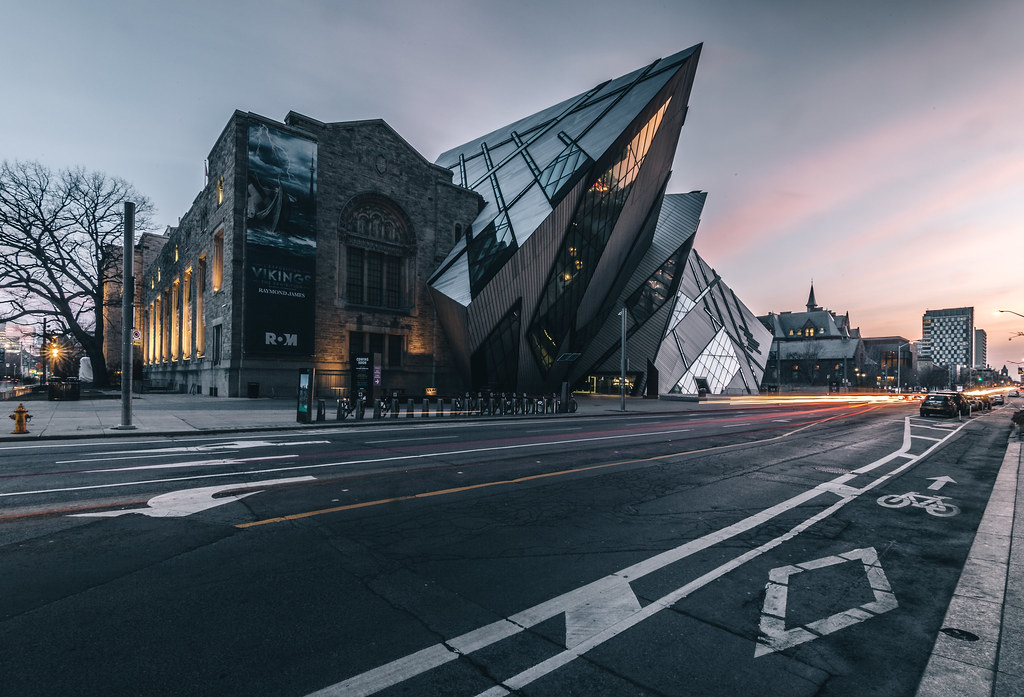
(609, 592)
(197, 463)
(178, 504)
(402, 440)
(168, 452)
(399, 458)
(938, 482)
(745, 423)
(773, 614)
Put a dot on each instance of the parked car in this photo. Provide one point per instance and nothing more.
(986, 401)
(945, 404)
(998, 399)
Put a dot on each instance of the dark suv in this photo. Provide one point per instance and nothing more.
(945, 404)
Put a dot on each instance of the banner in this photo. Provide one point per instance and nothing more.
(280, 243)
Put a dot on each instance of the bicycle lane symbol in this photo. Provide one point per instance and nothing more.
(938, 506)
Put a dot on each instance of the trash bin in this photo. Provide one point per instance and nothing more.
(253, 390)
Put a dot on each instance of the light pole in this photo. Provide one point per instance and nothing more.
(1012, 313)
(899, 364)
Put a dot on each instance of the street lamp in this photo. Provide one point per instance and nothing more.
(899, 364)
(1012, 313)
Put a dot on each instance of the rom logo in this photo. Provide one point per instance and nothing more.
(273, 339)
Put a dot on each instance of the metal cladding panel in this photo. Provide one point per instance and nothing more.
(523, 275)
(453, 318)
(454, 282)
(675, 228)
(529, 212)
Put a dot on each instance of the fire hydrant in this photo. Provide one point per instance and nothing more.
(21, 417)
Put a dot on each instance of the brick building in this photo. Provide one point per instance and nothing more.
(311, 243)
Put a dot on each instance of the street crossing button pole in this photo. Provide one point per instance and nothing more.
(127, 317)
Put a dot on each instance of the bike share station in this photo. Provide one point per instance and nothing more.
(366, 383)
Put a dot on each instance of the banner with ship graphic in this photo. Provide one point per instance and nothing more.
(280, 243)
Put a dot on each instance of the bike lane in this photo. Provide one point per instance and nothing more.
(850, 605)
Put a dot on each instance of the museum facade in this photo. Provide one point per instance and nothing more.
(522, 260)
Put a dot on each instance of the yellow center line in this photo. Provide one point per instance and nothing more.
(520, 480)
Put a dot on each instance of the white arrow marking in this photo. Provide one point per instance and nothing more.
(185, 502)
(610, 604)
(939, 482)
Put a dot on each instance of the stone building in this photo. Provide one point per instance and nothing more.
(816, 347)
(311, 243)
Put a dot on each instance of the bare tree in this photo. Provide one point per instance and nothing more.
(61, 236)
(808, 358)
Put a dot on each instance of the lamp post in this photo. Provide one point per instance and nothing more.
(899, 364)
(1012, 313)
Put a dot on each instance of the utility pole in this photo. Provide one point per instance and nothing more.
(622, 364)
(127, 316)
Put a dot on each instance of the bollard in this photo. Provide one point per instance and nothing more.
(440, 406)
(21, 417)
(341, 410)
(360, 408)
(426, 407)
(490, 404)
(378, 408)
(321, 410)
(394, 406)
(410, 410)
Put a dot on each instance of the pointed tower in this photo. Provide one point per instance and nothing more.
(812, 306)
(571, 197)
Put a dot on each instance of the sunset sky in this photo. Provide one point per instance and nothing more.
(874, 147)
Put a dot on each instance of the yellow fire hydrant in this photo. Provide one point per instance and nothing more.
(21, 417)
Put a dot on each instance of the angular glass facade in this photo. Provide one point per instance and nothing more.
(573, 229)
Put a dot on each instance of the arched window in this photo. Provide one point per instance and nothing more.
(376, 250)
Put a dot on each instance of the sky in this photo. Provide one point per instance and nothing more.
(876, 147)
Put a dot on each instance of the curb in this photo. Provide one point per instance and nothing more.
(990, 662)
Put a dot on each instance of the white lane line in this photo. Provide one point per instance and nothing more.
(232, 446)
(745, 423)
(197, 463)
(346, 463)
(402, 669)
(402, 440)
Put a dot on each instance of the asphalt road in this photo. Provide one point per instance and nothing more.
(768, 551)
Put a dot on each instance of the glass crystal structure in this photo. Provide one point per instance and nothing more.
(574, 229)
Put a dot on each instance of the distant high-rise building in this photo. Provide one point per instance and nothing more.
(980, 348)
(947, 336)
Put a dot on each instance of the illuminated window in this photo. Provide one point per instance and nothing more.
(175, 319)
(220, 191)
(187, 313)
(201, 309)
(217, 270)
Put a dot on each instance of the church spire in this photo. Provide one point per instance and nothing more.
(811, 304)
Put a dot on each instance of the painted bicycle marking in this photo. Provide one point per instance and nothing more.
(934, 505)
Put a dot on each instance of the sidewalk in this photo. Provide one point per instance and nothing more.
(170, 414)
